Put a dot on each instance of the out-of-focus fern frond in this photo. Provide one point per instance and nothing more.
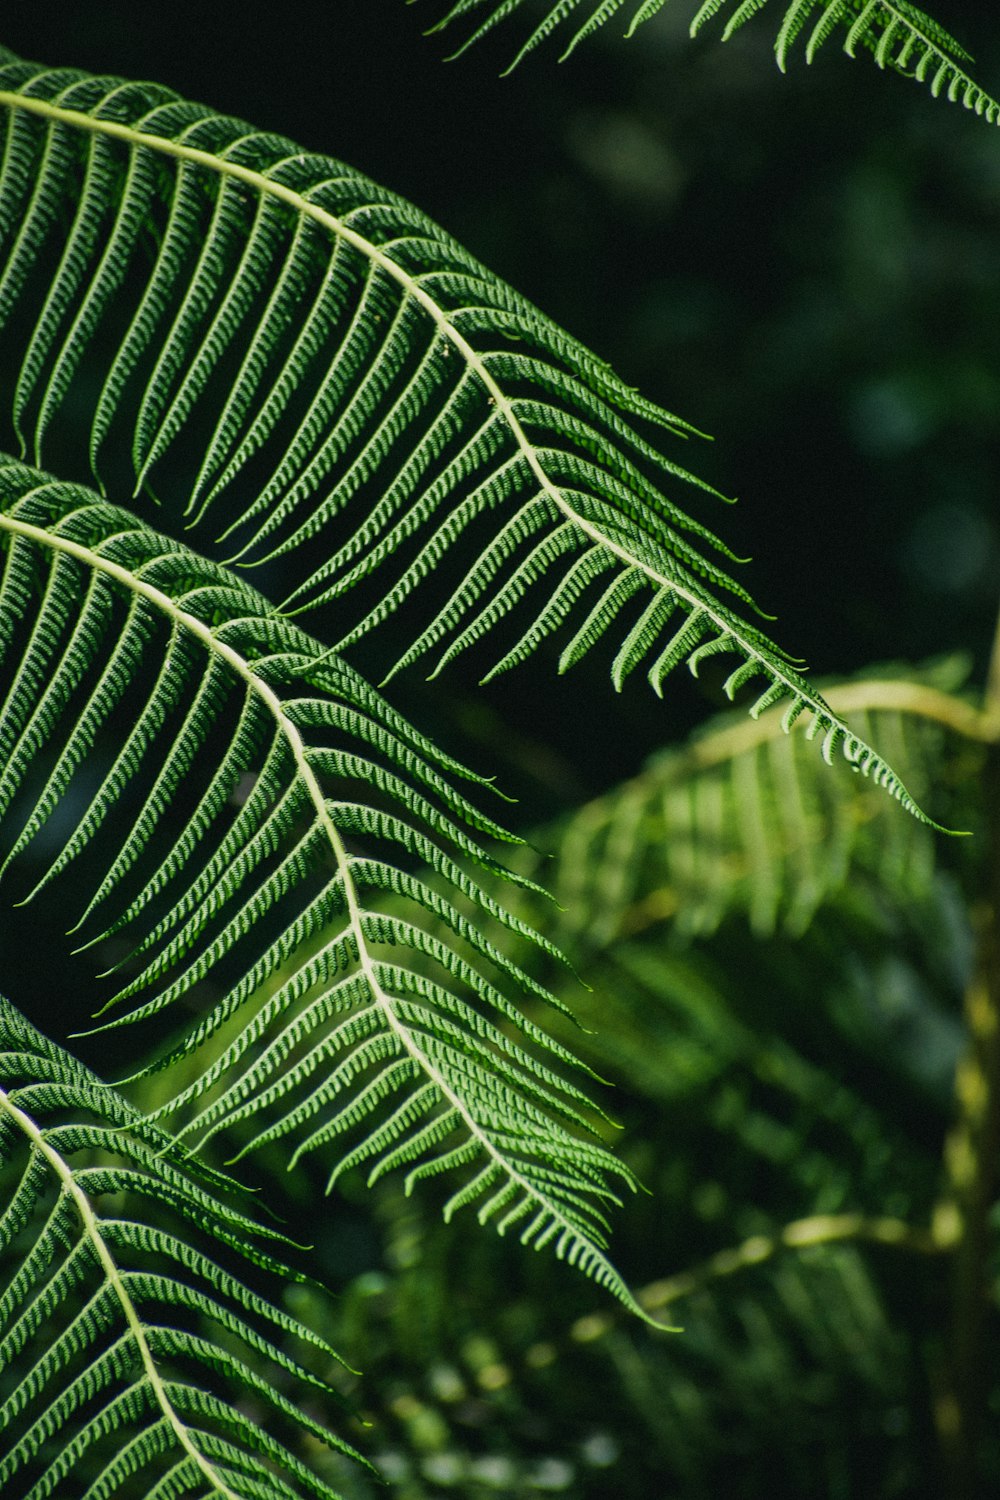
(131, 1360)
(738, 819)
(899, 35)
(794, 1166)
(803, 1354)
(260, 795)
(326, 362)
(741, 819)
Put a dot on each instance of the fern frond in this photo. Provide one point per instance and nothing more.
(337, 1020)
(741, 818)
(128, 1352)
(899, 35)
(417, 409)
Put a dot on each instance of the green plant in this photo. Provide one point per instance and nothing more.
(269, 850)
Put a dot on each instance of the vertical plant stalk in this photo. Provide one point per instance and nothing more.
(972, 1154)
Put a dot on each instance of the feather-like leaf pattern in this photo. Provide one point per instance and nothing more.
(133, 1359)
(275, 800)
(742, 818)
(330, 366)
(899, 35)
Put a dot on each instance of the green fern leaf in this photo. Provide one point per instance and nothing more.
(339, 1021)
(116, 1376)
(898, 34)
(417, 404)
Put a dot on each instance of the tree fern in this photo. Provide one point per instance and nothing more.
(419, 407)
(131, 1358)
(302, 368)
(899, 35)
(383, 1030)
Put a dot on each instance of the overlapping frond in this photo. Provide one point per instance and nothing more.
(742, 819)
(739, 819)
(328, 364)
(132, 1359)
(899, 35)
(258, 802)
(794, 1119)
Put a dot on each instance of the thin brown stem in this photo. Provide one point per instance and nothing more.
(971, 1158)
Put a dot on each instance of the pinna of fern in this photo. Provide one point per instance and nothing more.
(899, 35)
(134, 1360)
(377, 1036)
(328, 367)
(743, 819)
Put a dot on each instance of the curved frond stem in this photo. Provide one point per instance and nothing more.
(800, 1234)
(875, 696)
(923, 702)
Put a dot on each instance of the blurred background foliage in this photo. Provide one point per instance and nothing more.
(807, 267)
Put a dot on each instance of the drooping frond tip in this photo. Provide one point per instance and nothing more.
(743, 817)
(899, 35)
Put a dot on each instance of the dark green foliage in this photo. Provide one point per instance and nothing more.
(383, 389)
